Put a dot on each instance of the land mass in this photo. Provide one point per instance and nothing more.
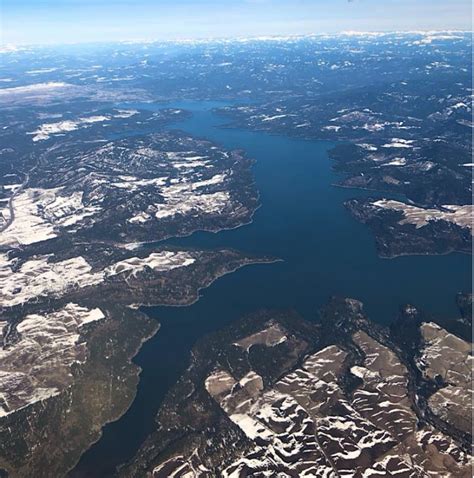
(275, 394)
(74, 266)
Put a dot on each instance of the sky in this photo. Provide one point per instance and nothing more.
(73, 21)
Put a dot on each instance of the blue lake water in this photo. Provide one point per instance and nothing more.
(325, 252)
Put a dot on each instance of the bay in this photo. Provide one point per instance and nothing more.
(324, 252)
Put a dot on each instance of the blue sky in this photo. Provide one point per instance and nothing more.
(64, 21)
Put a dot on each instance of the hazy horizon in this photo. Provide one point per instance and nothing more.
(91, 21)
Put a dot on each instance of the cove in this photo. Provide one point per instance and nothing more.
(324, 252)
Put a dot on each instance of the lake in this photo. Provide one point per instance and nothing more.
(325, 252)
